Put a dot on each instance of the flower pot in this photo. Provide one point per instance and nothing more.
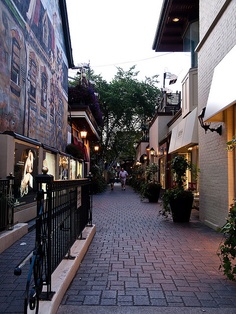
(181, 207)
(154, 198)
(152, 192)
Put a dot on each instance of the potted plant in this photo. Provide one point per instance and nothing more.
(151, 187)
(227, 250)
(151, 191)
(178, 201)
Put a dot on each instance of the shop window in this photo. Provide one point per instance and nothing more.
(79, 170)
(25, 170)
(49, 161)
(63, 167)
(72, 169)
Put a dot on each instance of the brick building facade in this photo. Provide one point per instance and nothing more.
(217, 178)
(207, 30)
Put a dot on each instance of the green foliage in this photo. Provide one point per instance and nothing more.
(179, 166)
(144, 181)
(231, 144)
(98, 182)
(151, 172)
(81, 95)
(137, 179)
(151, 190)
(227, 250)
(126, 104)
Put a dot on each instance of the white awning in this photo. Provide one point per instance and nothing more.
(223, 92)
(185, 133)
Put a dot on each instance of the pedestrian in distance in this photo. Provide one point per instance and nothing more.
(123, 176)
(112, 176)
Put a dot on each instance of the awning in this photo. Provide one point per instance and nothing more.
(82, 148)
(185, 133)
(222, 93)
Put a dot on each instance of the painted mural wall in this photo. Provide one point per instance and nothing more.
(33, 71)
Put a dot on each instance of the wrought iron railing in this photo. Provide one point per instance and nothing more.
(6, 203)
(63, 211)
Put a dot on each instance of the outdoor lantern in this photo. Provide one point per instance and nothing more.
(206, 126)
(152, 151)
(96, 148)
(83, 134)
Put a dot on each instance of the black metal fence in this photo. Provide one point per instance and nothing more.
(6, 203)
(63, 211)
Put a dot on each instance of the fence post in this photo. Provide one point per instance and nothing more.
(44, 223)
(11, 201)
(3, 204)
(90, 200)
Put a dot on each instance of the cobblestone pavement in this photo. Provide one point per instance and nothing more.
(12, 288)
(138, 258)
(138, 262)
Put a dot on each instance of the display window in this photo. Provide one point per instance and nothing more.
(25, 171)
(49, 161)
(72, 169)
(79, 170)
(63, 167)
(163, 172)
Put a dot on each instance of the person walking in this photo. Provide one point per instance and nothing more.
(112, 176)
(123, 176)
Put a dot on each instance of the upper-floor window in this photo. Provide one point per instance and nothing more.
(33, 77)
(191, 40)
(15, 63)
(44, 83)
(45, 30)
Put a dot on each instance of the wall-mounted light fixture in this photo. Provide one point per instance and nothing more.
(152, 151)
(83, 134)
(96, 148)
(206, 126)
(143, 158)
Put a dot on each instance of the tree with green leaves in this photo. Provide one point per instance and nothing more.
(127, 104)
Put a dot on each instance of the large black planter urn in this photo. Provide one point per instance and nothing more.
(181, 207)
(152, 192)
(154, 198)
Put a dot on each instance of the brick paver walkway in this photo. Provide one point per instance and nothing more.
(139, 258)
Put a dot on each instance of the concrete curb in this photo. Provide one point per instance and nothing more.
(7, 238)
(73, 309)
(65, 272)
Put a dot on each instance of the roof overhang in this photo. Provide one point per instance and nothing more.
(82, 118)
(169, 33)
